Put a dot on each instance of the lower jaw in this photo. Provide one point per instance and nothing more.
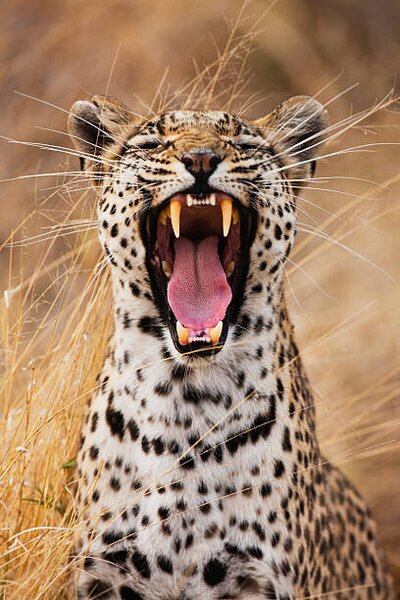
(198, 348)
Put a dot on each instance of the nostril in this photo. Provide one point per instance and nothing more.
(214, 160)
(201, 162)
(187, 160)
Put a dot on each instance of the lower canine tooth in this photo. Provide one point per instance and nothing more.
(176, 207)
(215, 332)
(183, 333)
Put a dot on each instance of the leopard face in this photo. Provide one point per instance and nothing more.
(197, 209)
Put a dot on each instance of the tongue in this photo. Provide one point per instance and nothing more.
(198, 291)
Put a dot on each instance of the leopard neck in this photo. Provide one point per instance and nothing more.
(258, 377)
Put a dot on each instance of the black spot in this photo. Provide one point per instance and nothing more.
(187, 462)
(165, 564)
(174, 447)
(95, 418)
(255, 552)
(202, 488)
(275, 538)
(111, 537)
(114, 230)
(163, 512)
(269, 592)
(278, 232)
(145, 445)
(178, 372)
(128, 593)
(149, 325)
(133, 429)
(205, 508)
(232, 444)
(135, 289)
(93, 452)
(115, 484)
(117, 557)
(257, 288)
(116, 422)
(214, 572)
(218, 454)
(158, 445)
(163, 388)
(286, 443)
(279, 468)
(141, 564)
(265, 490)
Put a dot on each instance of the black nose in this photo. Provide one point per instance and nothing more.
(201, 163)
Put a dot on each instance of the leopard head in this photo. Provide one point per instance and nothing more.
(197, 209)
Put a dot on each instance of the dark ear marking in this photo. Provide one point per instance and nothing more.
(296, 129)
(98, 124)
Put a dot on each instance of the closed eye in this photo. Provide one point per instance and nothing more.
(148, 144)
(248, 146)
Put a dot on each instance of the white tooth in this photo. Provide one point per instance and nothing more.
(175, 210)
(189, 200)
(230, 268)
(166, 269)
(226, 209)
(213, 200)
(215, 332)
(183, 333)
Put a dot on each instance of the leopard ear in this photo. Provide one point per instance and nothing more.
(296, 129)
(96, 125)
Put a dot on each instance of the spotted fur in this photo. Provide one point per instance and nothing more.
(202, 477)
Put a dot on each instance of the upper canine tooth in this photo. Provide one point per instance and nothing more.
(212, 200)
(235, 215)
(226, 209)
(183, 333)
(176, 207)
(189, 200)
(215, 332)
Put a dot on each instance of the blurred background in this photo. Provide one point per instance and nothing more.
(343, 281)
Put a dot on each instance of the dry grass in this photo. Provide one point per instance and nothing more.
(55, 311)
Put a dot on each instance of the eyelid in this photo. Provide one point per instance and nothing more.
(148, 143)
(250, 145)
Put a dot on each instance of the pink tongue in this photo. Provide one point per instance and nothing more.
(198, 291)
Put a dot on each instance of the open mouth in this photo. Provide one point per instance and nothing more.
(197, 257)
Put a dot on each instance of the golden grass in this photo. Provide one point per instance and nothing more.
(56, 304)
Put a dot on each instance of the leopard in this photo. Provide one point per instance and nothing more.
(200, 471)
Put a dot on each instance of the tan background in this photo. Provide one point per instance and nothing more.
(344, 301)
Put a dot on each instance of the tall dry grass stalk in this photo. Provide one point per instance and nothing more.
(55, 312)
